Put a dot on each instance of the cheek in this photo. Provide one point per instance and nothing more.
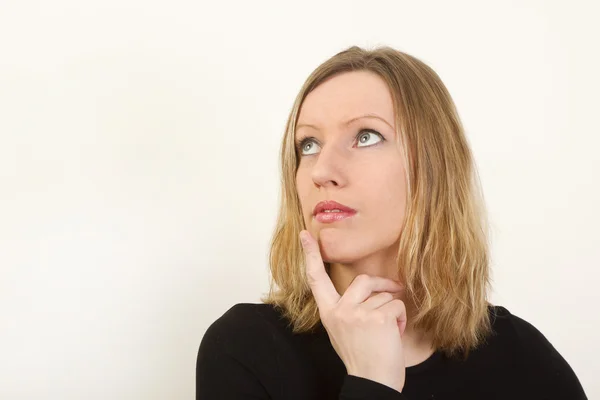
(388, 199)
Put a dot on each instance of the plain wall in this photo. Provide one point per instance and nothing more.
(139, 145)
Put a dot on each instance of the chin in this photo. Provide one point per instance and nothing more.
(336, 247)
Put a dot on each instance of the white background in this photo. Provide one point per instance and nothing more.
(139, 170)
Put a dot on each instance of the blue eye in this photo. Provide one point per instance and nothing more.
(364, 133)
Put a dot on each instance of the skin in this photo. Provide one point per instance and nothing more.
(359, 165)
(365, 331)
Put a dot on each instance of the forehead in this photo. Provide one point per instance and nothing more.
(345, 96)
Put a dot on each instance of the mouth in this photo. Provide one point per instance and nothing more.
(331, 211)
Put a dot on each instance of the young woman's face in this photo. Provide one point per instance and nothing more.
(358, 165)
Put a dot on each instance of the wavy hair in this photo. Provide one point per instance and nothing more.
(443, 253)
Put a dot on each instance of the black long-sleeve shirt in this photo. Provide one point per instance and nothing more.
(250, 353)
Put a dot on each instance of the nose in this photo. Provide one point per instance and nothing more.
(329, 168)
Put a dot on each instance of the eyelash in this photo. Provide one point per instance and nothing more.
(302, 142)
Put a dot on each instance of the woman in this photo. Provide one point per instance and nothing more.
(380, 259)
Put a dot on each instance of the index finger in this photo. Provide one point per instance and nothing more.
(322, 288)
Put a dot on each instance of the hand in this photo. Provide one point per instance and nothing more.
(364, 331)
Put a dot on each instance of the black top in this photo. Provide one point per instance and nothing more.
(250, 353)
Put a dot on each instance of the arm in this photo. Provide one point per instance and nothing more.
(221, 376)
(357, 388)
(227, 366)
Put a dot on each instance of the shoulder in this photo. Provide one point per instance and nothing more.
(530, 340)
(506, 323)
(248, 316)
(243, 326)
(235, 358)
(536, 356)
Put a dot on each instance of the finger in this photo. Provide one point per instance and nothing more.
(397, 309)
(377, 300)
(363, 285)
(320, 284)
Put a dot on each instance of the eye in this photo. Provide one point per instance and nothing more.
(363, 136)
(367, 133)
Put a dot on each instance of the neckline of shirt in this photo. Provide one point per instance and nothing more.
(433, 359)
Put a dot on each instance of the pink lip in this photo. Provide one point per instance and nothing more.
(328, 217)
(331, 205)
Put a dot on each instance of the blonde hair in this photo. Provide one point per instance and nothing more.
(443, 251)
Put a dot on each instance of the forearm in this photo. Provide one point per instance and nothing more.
(358, 388)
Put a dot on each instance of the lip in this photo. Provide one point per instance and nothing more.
(328, 217)
(331, 205)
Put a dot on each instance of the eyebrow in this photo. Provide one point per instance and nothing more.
(351, 120)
